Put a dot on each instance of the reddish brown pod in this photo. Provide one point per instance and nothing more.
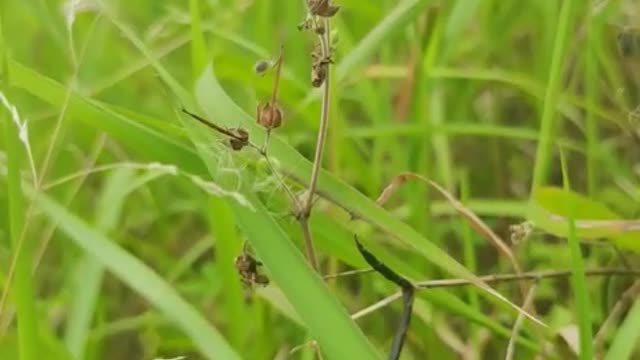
(269, 115)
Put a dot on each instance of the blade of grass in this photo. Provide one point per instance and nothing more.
(548, 123)
(326, 319)
(227, 113)
(228, 245)
(140, 278)
(627, 336)
(149, 144)
(198, 46)
(22, 249)
(578, 278)
(89, 272)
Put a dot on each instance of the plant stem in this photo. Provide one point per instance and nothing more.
(305, 211)
(325, 42)
(492, 279)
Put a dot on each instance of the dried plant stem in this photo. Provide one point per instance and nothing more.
(325, 42)
(614, 316)
(305, 210)
(496, 278)
(528, 300)
(347, 273)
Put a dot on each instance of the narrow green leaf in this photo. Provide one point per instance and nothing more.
(548, 124)
(140, 278)
(578, 279)
(627, 337)
(593, 220)
(198, 46)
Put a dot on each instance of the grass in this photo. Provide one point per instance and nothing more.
(137, 260)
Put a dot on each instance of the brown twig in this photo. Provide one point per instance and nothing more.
(347, 273)
(274, 100)
(305, 211)
(496, 278)
(474, 221)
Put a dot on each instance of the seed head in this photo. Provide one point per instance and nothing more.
(269, 115)
(323, 8)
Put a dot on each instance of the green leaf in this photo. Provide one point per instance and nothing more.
(593, 220)
(221, 109)
(325, 318)
(627, 337)
(578, 278)
(140, 278)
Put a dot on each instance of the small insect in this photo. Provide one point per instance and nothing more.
(248, 269)
(238, 137)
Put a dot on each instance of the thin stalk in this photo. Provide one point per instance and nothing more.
(305, 211)
(494, 279)
(325, 42)
(23, 287)
(578, 278)
(552, 94)
(528, 300)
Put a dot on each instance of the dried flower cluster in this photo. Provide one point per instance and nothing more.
(322, 8)
(248, 269)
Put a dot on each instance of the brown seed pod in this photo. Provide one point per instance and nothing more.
(319, 70)
(323, 8)
(319, 73)
(269, 115)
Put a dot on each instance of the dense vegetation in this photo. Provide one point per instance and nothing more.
(465, 138)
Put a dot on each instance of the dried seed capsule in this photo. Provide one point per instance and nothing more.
(323, 8)
(248, 269)
(319, 72)
(269, 115)
(239, 140)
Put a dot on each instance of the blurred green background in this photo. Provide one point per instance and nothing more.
(132, 257)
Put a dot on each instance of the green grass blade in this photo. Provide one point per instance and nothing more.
(547, 125)
(147, 143)
(228, 245)
(88, 275)
(198, 46)
(21, 248)
(578, 279)
(627, 337)
(224, 111)
(325, 318)
(142, 279)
